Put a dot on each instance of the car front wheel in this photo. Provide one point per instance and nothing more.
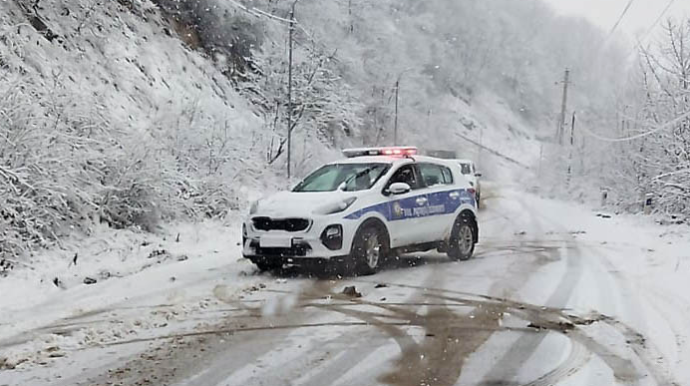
(369, 250)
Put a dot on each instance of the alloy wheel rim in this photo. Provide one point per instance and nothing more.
(373, 251)
(465, 240)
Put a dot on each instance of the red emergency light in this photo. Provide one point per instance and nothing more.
(382, 151)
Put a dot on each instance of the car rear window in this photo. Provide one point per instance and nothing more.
(447, 175)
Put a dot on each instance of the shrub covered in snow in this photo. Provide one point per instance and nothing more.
(112, 120)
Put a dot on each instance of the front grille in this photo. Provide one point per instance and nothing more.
(297, 250)
(285, 224)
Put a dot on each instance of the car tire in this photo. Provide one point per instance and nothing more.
(369, 249)
(461, 243)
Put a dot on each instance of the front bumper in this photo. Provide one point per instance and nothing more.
(304, 245)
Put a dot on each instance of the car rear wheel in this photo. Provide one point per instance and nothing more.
(461, 244)
(369, 250)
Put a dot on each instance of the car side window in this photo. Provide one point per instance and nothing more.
(407, 175)
(433, 175)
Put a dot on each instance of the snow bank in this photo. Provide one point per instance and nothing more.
(145, 284)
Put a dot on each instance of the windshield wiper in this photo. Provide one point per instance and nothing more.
(344, 184)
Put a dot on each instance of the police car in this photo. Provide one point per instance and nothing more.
(376, 203)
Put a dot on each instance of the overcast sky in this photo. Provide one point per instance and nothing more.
(604, 13)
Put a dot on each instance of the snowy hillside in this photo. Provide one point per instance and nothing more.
(136, 113)
(109, 116)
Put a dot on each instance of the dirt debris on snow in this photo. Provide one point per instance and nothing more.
(351, 291)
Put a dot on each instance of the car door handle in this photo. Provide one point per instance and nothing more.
(422, 201)
(454, 195)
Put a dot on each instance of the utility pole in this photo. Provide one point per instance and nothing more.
(572, 144)
(583, 148)
(572, 130)
(480, 146)
(289, 109)
(395, 127)
(541, 158)
(397, 102)
(349, 12)
(564, 105)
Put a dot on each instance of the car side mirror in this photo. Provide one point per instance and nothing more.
(399, 188)
(478, 174)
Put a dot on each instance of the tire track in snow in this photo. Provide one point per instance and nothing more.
(507, 367)
(172, 359)
(648, 354)
(623, 369)
(578, 357)
(448, 361)
(437, 360)
(340, 367)
(669, 307)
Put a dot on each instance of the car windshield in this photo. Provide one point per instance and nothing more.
(465, 168)
(356, 177)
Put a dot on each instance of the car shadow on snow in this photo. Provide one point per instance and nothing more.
(412, 261)
(343, 270)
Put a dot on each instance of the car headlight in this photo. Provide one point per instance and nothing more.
(332, 237)
(337, 207)
(254, 208)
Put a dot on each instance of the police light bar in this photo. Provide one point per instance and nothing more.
(381, 151)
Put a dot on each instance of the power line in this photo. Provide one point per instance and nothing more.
(661, 127)
(494, 152)
(639, 44)
(658, 19)
(652, 27)
(601, 47)
(263, 14)
(260, 13)
(620, 19)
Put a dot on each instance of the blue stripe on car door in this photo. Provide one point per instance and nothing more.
(443, 198)
(450, 204)
(387, 209)
(383, 208)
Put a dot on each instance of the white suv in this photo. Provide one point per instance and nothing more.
(359, 211)
(469, 170)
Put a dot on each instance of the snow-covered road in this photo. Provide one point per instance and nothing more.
(555, 296)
